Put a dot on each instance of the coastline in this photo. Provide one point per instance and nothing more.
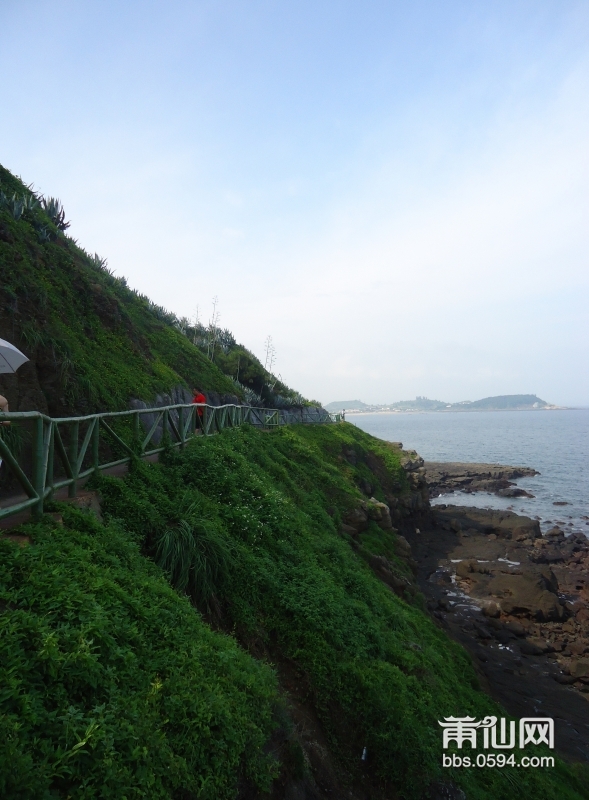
(460, 411)
(516, 599)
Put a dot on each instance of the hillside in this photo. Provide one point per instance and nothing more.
(93, 342)
(346, 405)
(498, 403)
(506, 401)
(295, 640)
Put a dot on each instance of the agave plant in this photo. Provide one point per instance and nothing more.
(54, 210)
(31, 202)
(250, 396)
(44, 234)
(15, 204)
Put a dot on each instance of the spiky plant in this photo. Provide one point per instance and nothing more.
(197, 558)
(98, 262)
(31, 202)
(15, 205)
(250, 396)
(54, 210)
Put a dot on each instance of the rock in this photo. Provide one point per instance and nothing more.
(531, 593)
(544, 645)
(566, 680)
(514, 491)
(579, 668)
(515, 627)
(379, 512)
(455, 525)
(470, 566)
(350, 455)
(547, 555)
(402, 546)
(357, 519)
(504, 524)
(504, 636)
(365, 487)
(492, 610)
(348, 529)
(554, 533)
(529, 648)
(482, 632)
(578, 647)
(412, 461)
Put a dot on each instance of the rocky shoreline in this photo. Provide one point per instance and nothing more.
(516, 599)
(448, 477)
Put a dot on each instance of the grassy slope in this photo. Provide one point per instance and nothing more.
(95, 341)
(92, 633)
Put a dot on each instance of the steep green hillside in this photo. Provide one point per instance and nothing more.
(93, 342)
(113, 686)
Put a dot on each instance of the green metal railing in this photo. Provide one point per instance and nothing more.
(76, 453)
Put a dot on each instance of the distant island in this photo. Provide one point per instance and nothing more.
(502, 402)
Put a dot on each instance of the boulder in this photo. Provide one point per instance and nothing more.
(492, 610)
(469, 566)
(579, 668)
(357, 519)
(531, 647)
(379, 512)
(402, 546)
(515, 627)
(531, 594)
(578, 647)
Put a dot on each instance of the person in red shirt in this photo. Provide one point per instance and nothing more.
(200, 400)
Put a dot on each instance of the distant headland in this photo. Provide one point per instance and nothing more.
(503, 402)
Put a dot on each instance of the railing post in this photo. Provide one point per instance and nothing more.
(164, 440)
(38, 472)
(181, 430)
(136, 431)
(73, 458)
(50, 457)
(95, 444)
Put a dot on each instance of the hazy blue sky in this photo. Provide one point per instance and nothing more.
(397, 192)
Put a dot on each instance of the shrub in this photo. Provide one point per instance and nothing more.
(112, 686)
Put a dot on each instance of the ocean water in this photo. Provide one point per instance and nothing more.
(556, 443)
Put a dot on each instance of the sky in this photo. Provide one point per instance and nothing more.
(396, 192)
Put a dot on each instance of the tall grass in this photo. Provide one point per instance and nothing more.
(197, 558)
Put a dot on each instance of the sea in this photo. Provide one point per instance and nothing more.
(556, 443)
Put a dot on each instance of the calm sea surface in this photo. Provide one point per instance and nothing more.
(556, 443)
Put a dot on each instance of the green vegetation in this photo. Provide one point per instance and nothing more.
(95, 342)
(506, 401)
(113, 686)
(144, 656)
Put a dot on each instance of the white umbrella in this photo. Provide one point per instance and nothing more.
(10, 358)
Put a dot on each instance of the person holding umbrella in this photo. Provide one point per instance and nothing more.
(3, 408)
(10, 360)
